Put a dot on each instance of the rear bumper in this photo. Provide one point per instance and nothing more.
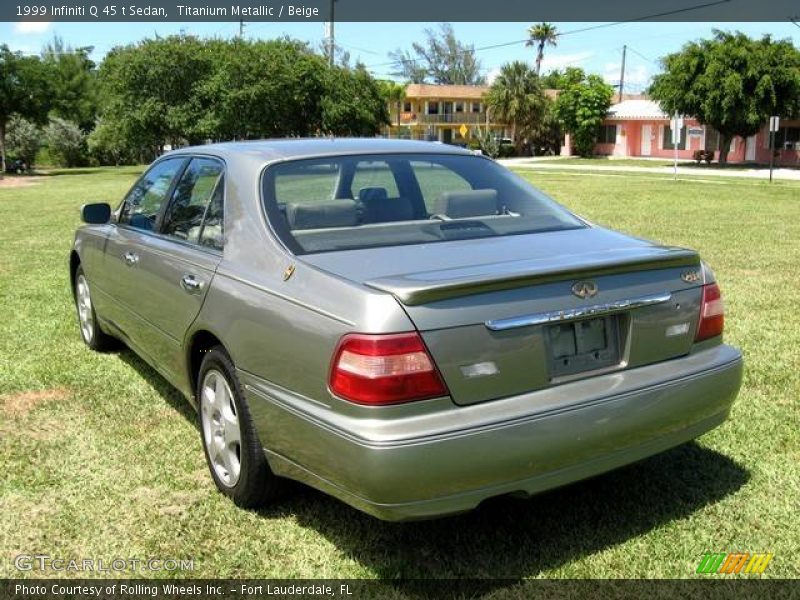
(449, 461)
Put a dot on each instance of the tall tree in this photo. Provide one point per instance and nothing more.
(440, 59)
(23, 91)
(262, 89)
(72, 81)
(581, 107)
(353, 104)
(732, 83)
(151, 89)
(516, 98)
(394, 94)
(560, 80)
(541, 35)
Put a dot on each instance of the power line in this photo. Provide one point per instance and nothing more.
(640, 55)
(570, 32)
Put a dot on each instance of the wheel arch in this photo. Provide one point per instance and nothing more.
(200, 342)
(74, 263)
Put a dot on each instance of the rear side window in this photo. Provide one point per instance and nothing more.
(188, 211)
(355, 202)
(143, 203)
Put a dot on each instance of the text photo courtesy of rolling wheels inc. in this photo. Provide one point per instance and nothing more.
(333, 300)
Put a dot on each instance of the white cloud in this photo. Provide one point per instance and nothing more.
(33, 27)
(492, 75)
(638, 76)
(551, 62)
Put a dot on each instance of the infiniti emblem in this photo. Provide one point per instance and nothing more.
(585, 289)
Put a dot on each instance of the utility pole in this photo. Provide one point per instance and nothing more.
(622, 73)
(332, 35)
(241, 27)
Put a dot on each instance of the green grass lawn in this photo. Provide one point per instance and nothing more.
(101, 458)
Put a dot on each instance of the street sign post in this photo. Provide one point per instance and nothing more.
(677, 126)
(774, 124)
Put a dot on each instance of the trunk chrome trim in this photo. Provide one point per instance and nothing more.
(576, 313)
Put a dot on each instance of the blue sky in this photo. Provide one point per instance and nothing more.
(598, 50)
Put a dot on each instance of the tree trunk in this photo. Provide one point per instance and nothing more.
(539, 57)
(724, 148)
(2, 148)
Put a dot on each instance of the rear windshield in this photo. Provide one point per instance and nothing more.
(367, 201)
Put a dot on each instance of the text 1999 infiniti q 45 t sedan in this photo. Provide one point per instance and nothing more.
(406, 326)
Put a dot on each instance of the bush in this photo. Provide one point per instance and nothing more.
(108, 145)
(67, 143)
(506, 151)
(24, 140)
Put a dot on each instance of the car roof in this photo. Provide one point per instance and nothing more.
(265, 151)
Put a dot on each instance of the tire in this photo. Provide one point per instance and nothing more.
(92, 335)
(234, 454)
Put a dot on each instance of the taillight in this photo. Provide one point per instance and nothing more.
(384, 369)
(712, 313)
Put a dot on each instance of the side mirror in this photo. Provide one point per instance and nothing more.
(98, 213)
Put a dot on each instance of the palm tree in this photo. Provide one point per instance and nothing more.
(516, 98)
(394, 94)
(541, 35)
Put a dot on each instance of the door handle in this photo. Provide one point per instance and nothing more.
(131, 258)
(190, 284)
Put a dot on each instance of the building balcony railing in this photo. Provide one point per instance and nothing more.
(453, 118)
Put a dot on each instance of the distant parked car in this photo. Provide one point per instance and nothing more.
(407, 326)
(16, 166)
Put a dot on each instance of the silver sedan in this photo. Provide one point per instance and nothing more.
(406, 326)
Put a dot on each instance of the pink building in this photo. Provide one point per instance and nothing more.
(639, 127)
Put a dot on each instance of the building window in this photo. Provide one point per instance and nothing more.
(407, 107)
(787, 138)
(433, 108)
(459, 107)
(607, 134)
(668, 138)
(476, 107)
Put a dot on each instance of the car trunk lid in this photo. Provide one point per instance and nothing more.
(503, 317)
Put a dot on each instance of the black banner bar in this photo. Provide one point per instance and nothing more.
(398, 11)
(702, 587)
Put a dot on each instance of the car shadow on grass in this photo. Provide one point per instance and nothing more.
(169, 393)
(507, 539)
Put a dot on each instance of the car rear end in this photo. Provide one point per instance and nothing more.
(530, 361)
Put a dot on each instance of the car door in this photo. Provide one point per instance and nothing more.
(181, 260)
(133, 225)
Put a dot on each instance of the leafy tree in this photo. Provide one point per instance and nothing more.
(66, 142)
(353, 104)
(440, 59)
(262, 89)
(23, 90)
(24, 140)
(393, 93)
(560, 80)
(72, 81)
(732, 83)
(541, 35)
(151, 90)
(516, 98)
(581, 107)
(108, 145)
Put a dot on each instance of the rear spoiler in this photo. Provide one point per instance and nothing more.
(431, 286)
